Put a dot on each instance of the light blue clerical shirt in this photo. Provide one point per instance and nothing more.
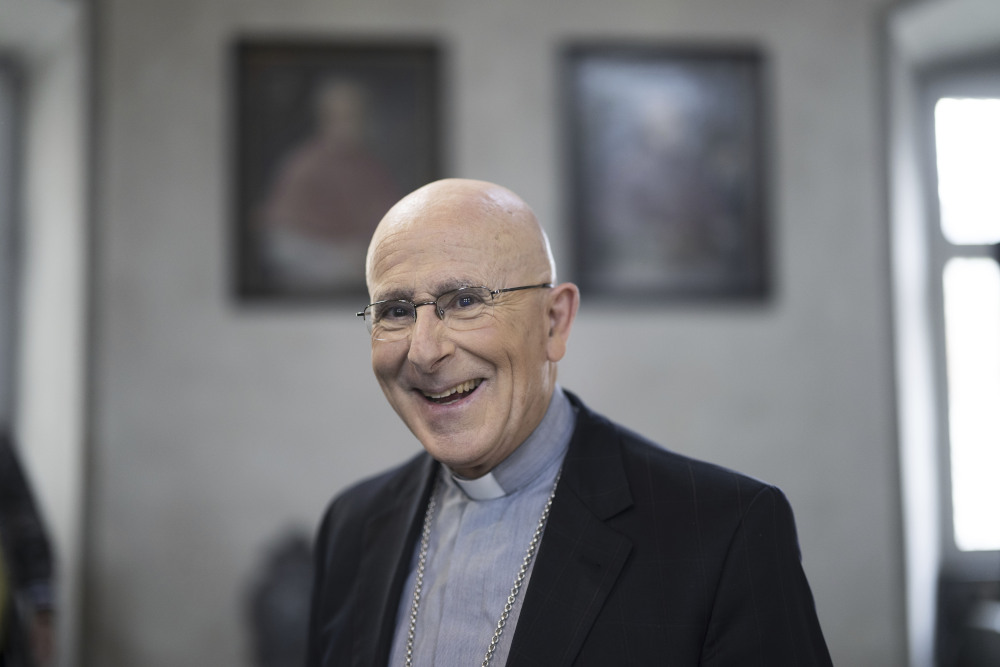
(477, 543)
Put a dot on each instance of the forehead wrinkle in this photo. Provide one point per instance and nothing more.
(379, 258)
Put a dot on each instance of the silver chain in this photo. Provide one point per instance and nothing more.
(421, 562)
(514, 591)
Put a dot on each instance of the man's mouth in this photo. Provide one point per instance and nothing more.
(456, 393)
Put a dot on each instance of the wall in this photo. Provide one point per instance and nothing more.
(216, 425)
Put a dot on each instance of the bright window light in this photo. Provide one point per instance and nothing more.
(972, 330)
(968, 166)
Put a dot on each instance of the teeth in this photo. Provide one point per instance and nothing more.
(464, 387)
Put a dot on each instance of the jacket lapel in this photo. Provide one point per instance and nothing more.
(388, 542)
(580, 557)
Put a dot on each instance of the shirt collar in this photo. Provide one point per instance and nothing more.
(546, 443)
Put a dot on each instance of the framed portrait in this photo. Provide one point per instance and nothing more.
(667, 171)
(328, 137)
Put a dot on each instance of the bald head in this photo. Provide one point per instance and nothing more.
(477, 216)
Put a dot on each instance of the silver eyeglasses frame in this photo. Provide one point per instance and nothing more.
(438, 311)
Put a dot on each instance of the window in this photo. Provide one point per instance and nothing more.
(972, 339)
(964, 106)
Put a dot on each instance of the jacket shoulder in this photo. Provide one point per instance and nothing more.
(682, 470)
(660, 471)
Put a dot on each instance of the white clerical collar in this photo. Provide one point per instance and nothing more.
(482, 488)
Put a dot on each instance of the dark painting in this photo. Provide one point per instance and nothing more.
(329, 137)
(667, 171)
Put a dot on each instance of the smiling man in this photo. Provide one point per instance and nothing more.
(533, 531)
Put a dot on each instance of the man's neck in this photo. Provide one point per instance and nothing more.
(549, 439)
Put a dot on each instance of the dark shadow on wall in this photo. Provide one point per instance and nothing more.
(276, 605)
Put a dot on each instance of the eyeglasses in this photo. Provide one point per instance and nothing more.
(461, 309)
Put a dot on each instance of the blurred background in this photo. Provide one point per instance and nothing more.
(182, 440)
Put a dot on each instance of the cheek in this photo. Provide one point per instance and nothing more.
(384, 363)
(525, 359)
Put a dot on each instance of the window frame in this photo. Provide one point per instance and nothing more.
(969, 77)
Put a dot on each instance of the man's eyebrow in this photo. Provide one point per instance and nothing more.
(453, 284)
(439, 289)
(394, 295)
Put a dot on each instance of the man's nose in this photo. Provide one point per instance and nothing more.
(429, 339)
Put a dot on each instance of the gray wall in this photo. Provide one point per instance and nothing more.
(215, 426)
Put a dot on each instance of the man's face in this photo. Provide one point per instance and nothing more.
(470, 397)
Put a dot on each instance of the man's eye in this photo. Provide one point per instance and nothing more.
(393, 312)
(468, 301)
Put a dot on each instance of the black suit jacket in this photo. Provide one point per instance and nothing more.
(648, 558)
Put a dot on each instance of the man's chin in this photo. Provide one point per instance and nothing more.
(456, 453)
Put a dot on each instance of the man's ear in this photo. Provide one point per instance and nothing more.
(564, 300)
